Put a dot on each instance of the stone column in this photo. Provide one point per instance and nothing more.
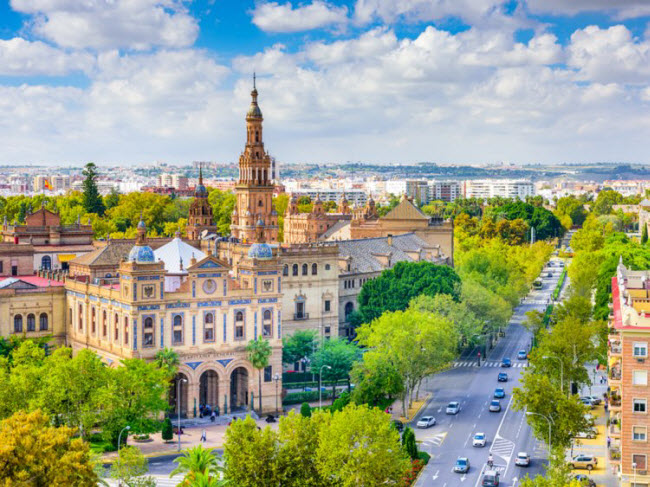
(192, 398)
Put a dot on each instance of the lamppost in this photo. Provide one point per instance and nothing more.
(634, 470)
(561, 370)
(276, 378)
(320, 385)
(119, 437)
(179, 403)
(550, 421)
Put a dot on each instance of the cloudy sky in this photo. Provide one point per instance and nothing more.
(451, 81)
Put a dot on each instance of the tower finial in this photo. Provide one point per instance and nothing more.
(254, 77)
(200, 173)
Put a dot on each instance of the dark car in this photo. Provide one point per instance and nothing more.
(398, 425)
(499, 393)
(584, 480)
(490, 479)
(506, 362)
(503, 377)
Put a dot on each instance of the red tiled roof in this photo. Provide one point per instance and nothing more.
(36, 281)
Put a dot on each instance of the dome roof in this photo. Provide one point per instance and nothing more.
(261, 251)
(260, 223)
(141, 225)
(254, 111)
(175, 251)
(141, 254)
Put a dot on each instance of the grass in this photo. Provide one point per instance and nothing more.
(100, 445)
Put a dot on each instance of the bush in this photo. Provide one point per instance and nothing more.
(341, 402)
(300, 397)
(408, 443)
(424, 457)
(167, 430)
(305, 410)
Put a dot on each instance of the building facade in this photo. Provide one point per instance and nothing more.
(300, 228)
(447, 191)
(200, 217)
(504, 188)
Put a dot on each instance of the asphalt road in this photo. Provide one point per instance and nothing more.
(507, 431)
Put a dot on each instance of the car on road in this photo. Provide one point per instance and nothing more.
(595, 400)
(590, 433)
(506, 362)
(426, 422)
(462, 465)
(503, 377)
(453, 407)
(398, 425)
(588, 462)
(561, 264)
(490, 479)
(499, 393)
(587, 402)
(523, 459)
(584, 480)
(550, 274)
(479, 440)
(495, 406)
(522, 355)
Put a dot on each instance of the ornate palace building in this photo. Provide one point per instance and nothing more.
(300, 228)
(200, 213)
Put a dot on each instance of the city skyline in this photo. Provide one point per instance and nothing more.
(367, 80)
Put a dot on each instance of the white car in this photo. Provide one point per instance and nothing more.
(426, 421)
(453, 407)
(523, 459)
(479, 439)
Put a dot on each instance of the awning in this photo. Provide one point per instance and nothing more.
(66, 257)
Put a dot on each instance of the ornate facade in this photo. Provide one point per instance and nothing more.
(301, 228)
(200, 214)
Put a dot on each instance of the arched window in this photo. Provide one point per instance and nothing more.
(43, 322)
(147, 332)
(177, 336)
(314, 269)
(239, 316)
(104, 324)
(46, 262)
(208, 327)
(267, 314)
(93, 321)
(349, 308)
(31, 322)
(327, 267)
(70, 317)
(305, 269)
(295, 270)
(18, 324)
(260, 203)
(267, 323)
(239, 325)
(257, 136)
(126, 330)
(117, 327)
(80, 317)
(285, 271)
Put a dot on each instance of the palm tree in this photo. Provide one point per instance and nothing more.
(200, 466)
(259, 352)
(167, 359)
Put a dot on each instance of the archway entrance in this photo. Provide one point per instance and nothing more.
(239, 389)
(173, 403)
(209, 389)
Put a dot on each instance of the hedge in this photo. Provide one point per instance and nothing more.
(300, 397)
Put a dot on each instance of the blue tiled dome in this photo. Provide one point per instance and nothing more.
(260, 251)
(200, 189)
(142, 254)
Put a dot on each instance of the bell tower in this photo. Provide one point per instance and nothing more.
(254, 218)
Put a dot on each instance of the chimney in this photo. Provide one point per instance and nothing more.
(389, 240)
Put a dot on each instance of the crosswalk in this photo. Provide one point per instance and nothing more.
(536, 301)
(489, 363)
(161, 481)
(502, 447)
(434, 440)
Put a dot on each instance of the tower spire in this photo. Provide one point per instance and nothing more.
(200, 173)
(254, 87)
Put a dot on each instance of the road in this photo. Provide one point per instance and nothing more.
(507, 432)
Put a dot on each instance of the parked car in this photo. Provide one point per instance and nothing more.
(490, 479)
(499, 393)
(462, 465)
(503, 377)
(479, 440)
(587, 402)
(584, 480)
(588, 462)
(453, 407)
(398, 425)
(495, 406)
(426, 422)
(506, 362)
(590, 433)
(595, 400)
(523, 459)
(522, 355)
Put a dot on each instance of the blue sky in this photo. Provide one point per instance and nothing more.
(451, 81)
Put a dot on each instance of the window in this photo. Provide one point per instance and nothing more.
(328, 306)
(239, 325)
(43, 322)
(641, 462)
(177, 336)
(640, 349)
(1, 266)
(639, 433)
(349, 308)
(267, 323)
(208, 327)
(70, 316)
(117, 327)
(92, 320)
(268, 373)
(126, 330)
(104, 324)
(18, 324)
(80, 319)
(147, 332)
(327, 329)
(294, 270)
(46, 263)
(314, 269)
(300, 310)
(327, 267)
(640, 378)
(640, 405)
(305, 269)
(285, 271)
(31, 322)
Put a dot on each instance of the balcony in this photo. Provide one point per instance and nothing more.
(614, 430)
(300, 316)
(615, 376)
(615, 454)
(615, 349)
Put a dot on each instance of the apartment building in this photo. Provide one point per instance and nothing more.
(447, 191)
(504, 188)
(629, 365)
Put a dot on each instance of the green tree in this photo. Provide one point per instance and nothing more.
(644, 234)
(280, 203)
(376, 379)
(573, 208)
(92, 200)
(409, 444)
(305, 410)
(197, 462)
(605, 200)
(259, 352)
(394, 288)
(298, 346)
(223, 203)
(557, 474)
(167, 432)
(36, 453)
(544, 221)
(336, 358)
(112, 199)
(130, 468)
(167, 360)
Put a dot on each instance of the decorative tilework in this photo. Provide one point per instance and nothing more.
(148, 307)
(267, 273)
(255, 325)
(177, 305)
(246, 273)
(104, 300)
(92, 298)
(148, 278)
(239, 301)
(193, 365)
(203, 304)
(193, 330)
(210, 274)
(225, 326)
(135, 334)
(162, 332)
(279, 324)
(209, 265)
(193, 289)
(224, 361)
(267, 300)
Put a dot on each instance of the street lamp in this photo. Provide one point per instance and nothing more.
(320, 385)
(561, 370)
(119, 437)
(276, 378)
(550, 421)
(634, 470)
(179, 403)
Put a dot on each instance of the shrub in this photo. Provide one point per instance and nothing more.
(408, 443)
(305, 410)
(424, 457)
(167, 430)
(300, 397)
(341, 402)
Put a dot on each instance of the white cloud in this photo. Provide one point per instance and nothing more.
(276, 17)
(623, 9)
(19, 57)
(109, 24)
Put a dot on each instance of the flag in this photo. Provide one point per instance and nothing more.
(47, 185)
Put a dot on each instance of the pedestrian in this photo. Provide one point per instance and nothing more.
(609, 441)
(213, 417)
(605, 407)
(204, 436)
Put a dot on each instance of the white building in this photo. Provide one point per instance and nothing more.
(447, 191)
(354, 196)
(505, 188)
